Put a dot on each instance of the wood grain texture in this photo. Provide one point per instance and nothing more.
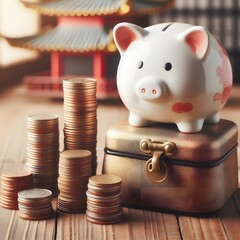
(136, 224)
(16, 105)
(230, 216)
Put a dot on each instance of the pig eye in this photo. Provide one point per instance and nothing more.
(140, 64)
(168, 66)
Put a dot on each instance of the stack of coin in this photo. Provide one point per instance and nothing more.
(43, 150)
(35, 204)
(104, 199)
(80, 115)
(13, 181)
(75, 168)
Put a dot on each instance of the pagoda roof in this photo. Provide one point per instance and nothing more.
(72, 39)
(97, 7)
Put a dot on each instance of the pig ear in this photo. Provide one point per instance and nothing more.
(197, 39)
(125, 33)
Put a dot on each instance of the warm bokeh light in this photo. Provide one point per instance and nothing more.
(16, 21)
(125, 9)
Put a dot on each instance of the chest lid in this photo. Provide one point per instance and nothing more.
(209, 145)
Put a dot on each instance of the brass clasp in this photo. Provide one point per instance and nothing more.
(156, 169)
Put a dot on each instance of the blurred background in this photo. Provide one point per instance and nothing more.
(220, 17)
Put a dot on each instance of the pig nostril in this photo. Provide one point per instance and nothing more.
(143, 90)
(154, 91)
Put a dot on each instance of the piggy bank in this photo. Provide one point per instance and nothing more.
(173, 73)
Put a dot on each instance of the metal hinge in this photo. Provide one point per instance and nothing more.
(156, 169)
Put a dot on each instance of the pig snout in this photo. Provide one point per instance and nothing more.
(150, 89)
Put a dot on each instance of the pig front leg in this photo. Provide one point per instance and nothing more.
(213, 118)
(137, 121)
(191, 127)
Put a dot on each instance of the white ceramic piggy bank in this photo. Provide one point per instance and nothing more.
(172, 72)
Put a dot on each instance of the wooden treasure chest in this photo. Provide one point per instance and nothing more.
(162, 168)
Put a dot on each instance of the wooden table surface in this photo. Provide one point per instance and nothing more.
(16, 105)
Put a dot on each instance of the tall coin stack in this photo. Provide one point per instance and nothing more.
(43, 150)
(13, 181)
(104, 199)
(80, 115)
(75, 168)
(35, 204)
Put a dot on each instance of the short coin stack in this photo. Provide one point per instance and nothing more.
(104, 199)
(80, 115)
(35, 204)
(43, 150)
(13, 181)
(75, 168)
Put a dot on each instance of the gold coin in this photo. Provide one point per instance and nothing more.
(99, 219)
(16, 174)
(73, 154)
(35, 193)
(36, 218)
(12, 206)
(78, 80)
(105, 180)
(42, 117)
